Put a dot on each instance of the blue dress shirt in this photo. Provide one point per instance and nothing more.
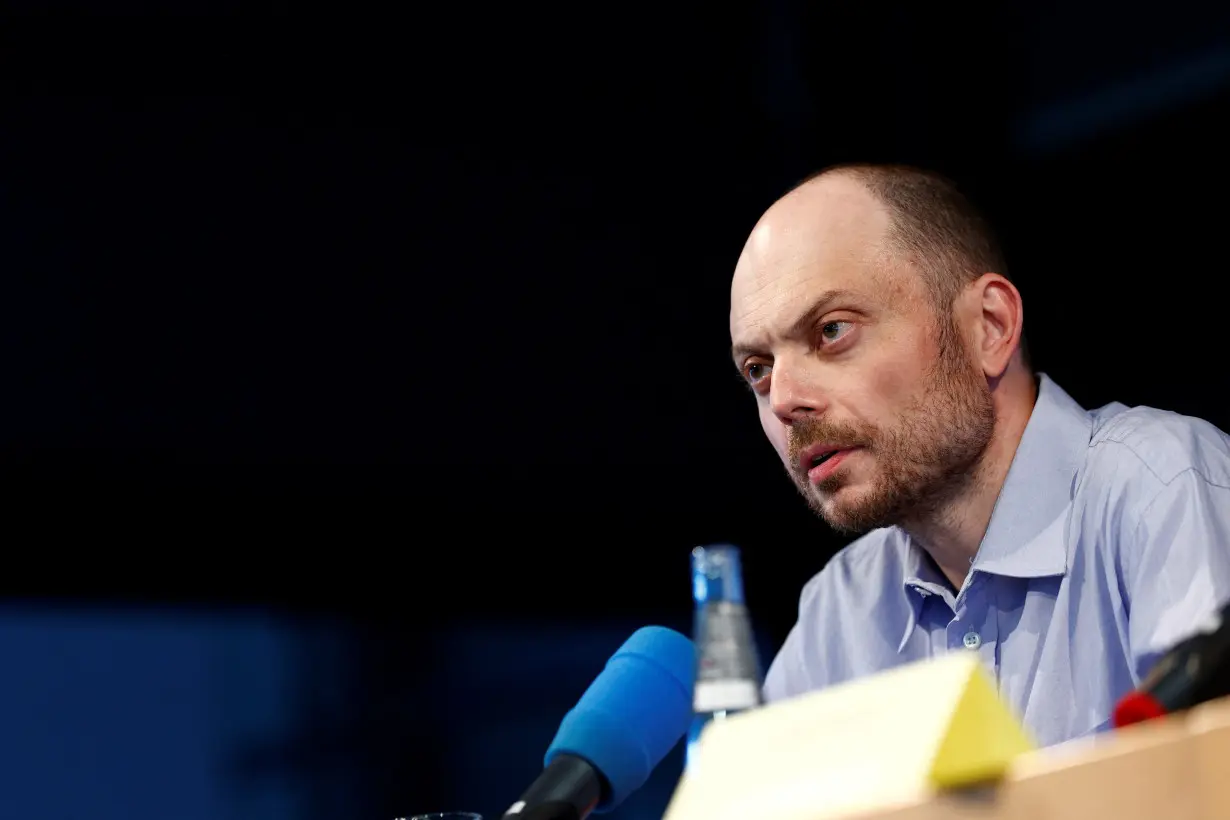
(1109, 543)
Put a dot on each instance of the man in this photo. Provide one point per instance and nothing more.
(873, 319)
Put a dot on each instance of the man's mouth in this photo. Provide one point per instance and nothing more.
(818, 454)
(821, 460)
(817, 460)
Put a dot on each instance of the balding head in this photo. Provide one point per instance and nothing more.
(932, 224)
(824, 223)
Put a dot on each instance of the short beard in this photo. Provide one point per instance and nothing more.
(930, 458)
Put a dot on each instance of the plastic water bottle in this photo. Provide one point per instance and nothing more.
(728, 676)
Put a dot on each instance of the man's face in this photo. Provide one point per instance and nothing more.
(845, 351)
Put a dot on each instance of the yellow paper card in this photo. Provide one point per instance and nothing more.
(872, 743)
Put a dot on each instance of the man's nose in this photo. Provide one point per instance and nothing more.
(793, 394)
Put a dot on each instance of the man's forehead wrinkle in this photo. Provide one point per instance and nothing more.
(747, 319)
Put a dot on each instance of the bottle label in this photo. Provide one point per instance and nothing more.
(727, 676)
(724, 696)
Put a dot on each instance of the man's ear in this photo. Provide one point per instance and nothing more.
(996, 317)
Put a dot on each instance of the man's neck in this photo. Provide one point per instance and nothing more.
(953, 534)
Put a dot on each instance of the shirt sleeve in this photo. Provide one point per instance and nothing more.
(1177, 565)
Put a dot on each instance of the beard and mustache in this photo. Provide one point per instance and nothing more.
(928, 458)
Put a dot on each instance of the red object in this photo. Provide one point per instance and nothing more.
(1135, 708)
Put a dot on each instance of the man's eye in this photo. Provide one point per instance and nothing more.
(756, 371)
(833, 331)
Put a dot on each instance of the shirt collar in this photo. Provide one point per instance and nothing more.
(922, 579)
(1020, 541)
(1038, 490)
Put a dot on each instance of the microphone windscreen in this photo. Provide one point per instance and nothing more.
(633, 713)
(1136, 707)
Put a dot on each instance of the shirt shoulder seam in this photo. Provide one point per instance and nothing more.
(1191, 468)
(1144, 513)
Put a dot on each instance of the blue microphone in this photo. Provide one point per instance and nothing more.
(629, 718)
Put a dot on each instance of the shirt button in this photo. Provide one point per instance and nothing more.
(972, 641)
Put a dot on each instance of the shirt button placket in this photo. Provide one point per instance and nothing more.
(967, 619)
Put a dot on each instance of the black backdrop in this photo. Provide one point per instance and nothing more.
(421, 320)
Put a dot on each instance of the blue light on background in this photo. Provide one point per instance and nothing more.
(152, 715)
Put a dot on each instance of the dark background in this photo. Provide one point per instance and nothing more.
(366, 374)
